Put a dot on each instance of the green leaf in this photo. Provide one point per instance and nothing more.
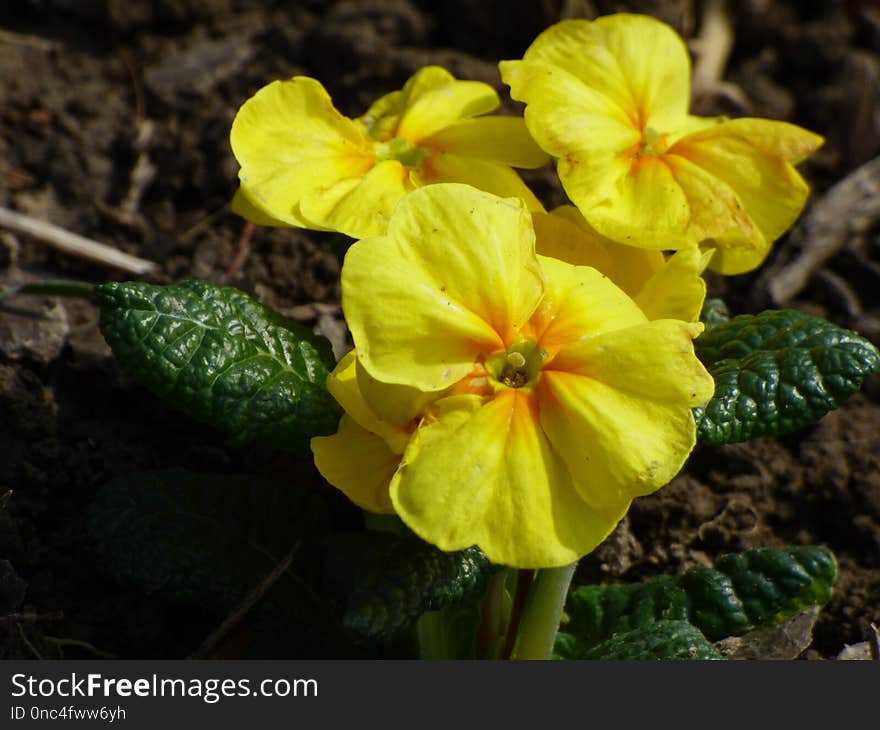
(660, 640)
(224, 359)
(384, 582)
(745, 591)
(714, 312)
(205, 539)
(771, 585)
(776, 372)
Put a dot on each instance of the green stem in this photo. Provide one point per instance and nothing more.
(542, 613)
(522, 585)
(491, 609)
(75, 289)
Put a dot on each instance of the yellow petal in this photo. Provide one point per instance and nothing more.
(649, 209)
(616, 446)
(691, 124)
(485, 475)
(358, 463)
(635, 60)
(587, 131)
(633, 267)
(564, 234)
(578, 302)
(455, 276)
(677, 290)
(628, 267)
(719, 219)
(440, 107)
(774, 138)
(383, 117)
(628, 198)
(654, 360)
(248, 208)
(504, 140)
(490, 177)
(398, 405)
(753, 158)
(617, 407)
(359, 207)
(560, 238)
(290, 142)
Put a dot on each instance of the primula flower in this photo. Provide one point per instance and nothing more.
(549, 400)
(609, 98)
(664, 287)
(304, 164)
(361, 457)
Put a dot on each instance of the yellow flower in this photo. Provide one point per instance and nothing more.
(304, 164)
(361, 457)
(664, 287)
(549, 400)
(609, 98)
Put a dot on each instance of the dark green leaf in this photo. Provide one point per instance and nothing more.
(660, 640)
(204, 539)
(776, 372)
(714, 312)
(749, 590)
(775, 584)
(224, 359)
(385, 582)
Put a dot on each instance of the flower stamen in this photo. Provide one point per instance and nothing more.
(654, 144)
(519, 366)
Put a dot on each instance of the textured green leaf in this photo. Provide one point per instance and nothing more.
(567, 646)
(384, 582)
(714, 312)
(204, 539)
(776, 372)
(745, 591)
(224, 359)
(661, 640)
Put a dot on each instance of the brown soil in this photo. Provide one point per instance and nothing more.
(114, 123)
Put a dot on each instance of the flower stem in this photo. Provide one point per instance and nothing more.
(75, 289)
(542, 613)
(493, 620)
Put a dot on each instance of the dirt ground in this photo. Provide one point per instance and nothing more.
(114, 124)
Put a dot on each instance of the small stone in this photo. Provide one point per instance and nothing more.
(31, 328)
(786, 640)
(856, 652)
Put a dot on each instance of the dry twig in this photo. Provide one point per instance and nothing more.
(31, 617)
(72, 243)
(242, 249)
(31, 41)
(850, 208)
(60, 643)
(241, 610)
(712, 48)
